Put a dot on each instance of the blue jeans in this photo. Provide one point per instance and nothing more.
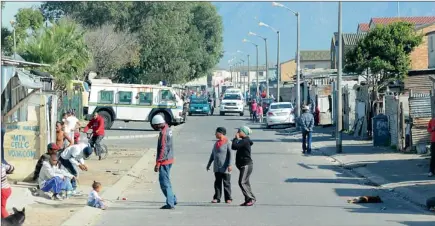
(71, 168)
(55, 184)
(67, 185)
(306, 141)
(165, 185)
(96, 203)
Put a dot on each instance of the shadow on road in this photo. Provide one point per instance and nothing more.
(324, 180)
(416, 223)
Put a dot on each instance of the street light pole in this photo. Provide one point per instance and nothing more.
(249, 79)
(240, 75)
(257, 69)
(298, 61)
(339, 90)
(267, 70)
(15, 42)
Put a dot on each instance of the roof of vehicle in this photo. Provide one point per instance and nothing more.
(276, 103)
(232, 90)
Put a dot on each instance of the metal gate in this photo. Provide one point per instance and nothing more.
(420, 112)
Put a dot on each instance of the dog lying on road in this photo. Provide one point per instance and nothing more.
(15, 219)
(366, 199)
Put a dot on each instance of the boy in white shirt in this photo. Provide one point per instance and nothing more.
(71, 122)
(72, 157)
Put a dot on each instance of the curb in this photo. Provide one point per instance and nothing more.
(89, 215)
(131, 137)
(380, 182)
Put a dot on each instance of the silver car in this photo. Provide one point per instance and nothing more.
(281, 113)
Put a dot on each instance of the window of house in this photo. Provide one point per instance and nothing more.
(145, 98)
(310, 66)
(261, 73)
(124, 97)
(106, 97)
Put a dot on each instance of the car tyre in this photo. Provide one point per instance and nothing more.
(221, 113)
(241, 113)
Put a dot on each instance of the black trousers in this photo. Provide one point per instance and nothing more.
(432, 158)
(95, 143)
(225, 180)
(245, 185)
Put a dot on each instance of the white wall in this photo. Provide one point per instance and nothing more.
(318, 64)
(431, 50)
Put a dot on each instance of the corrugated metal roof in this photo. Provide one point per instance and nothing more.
(351, 39)
(315, 55)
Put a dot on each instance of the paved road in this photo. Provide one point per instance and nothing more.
(291, 189)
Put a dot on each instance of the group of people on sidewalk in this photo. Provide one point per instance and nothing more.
(221, 157)
(57, 170)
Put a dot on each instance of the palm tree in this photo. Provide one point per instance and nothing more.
(62, 46)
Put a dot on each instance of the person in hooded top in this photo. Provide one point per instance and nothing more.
(242, 144)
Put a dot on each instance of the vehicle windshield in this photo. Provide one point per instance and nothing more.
(280, 106)
(267, 100)
(198, 101)
(232, 97)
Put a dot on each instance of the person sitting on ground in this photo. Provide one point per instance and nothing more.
(72, 157)
(61, 136)
(52, 148)
(6, 188)
(94, 199)
(53, 178)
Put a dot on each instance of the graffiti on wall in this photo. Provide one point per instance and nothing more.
(21, 140)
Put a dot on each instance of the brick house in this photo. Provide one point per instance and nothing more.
(312, 59)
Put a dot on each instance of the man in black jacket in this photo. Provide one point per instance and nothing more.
(242, 144)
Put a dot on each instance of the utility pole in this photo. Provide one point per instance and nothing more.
(231, 73)
(339, 110)
(298, 68)
(278, 70)
(249, 79)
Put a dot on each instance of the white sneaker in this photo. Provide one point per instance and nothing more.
(76, 193)
(430, 174)
(58, 197)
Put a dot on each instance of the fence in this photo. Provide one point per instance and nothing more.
(420, 112)
(73, 102)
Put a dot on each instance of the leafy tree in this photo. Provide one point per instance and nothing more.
(111, 50)
(180, 41)
(63, 47)
(7, 43)
(384, 51)
(28, 20)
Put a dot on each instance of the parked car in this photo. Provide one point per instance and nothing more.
(200, 105)
(281, 113)
(265, 102)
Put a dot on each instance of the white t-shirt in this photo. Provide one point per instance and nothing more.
(93, 196)
(70, 124)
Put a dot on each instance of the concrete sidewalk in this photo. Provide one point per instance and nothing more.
(43, 211)
(403, 174)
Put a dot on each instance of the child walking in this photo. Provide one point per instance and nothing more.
(222, 157)
(94, 200)
(242, 144)
(260, 113)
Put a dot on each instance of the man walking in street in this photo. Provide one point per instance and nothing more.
(306, 123)
(164, 160)
(97, 126)
(431, 130)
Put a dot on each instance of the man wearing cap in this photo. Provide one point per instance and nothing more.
(52, 148)
(306, 123)
(164, 160)
(242, 144)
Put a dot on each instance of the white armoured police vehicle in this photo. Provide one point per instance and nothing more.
(134, 102)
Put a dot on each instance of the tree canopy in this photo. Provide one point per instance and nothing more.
(179, 41)
(385, 52)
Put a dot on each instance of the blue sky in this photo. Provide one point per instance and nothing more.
(318, 22)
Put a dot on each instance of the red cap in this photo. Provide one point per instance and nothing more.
(53, 146)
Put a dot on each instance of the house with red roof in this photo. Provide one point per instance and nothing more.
(363, 28)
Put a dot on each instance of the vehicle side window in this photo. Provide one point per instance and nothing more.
(106, 97)
(166, 95)
(124, 97)
(145, 98)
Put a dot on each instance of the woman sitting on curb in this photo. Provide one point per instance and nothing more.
(54, 178)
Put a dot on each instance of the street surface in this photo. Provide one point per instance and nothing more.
(291, 189)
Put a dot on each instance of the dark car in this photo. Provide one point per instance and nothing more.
(200, 105)
(265, 103)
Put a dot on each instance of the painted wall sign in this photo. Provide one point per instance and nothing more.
(22, 140)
